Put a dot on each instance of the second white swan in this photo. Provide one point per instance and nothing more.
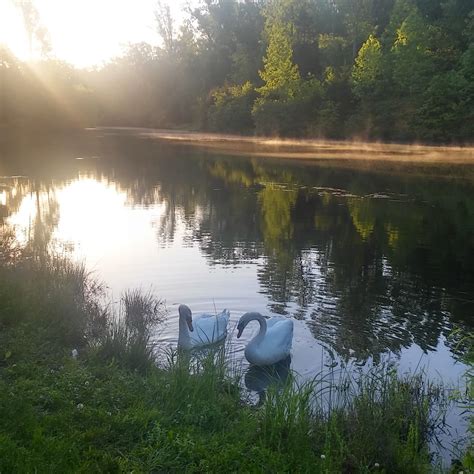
(272, 343)
(205, 329)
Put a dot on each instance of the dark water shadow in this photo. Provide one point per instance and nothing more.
(259, 378)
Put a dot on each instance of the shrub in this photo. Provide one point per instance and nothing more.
(231, 108)
(282, 114)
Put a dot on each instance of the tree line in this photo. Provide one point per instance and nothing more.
(400, 70)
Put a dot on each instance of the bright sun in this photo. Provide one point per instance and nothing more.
(83, 32)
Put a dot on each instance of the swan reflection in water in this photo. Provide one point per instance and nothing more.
(260, 378)
(257, 379)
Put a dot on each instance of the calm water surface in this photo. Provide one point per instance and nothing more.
(372, 263)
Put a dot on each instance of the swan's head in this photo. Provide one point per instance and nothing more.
(186, 314)
(245, 319)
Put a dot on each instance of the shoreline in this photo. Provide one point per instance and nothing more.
(308, 149)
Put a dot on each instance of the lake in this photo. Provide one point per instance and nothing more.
(373, 261)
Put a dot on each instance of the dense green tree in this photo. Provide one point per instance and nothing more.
(448, 107)
(411, 55)
(382, 69)
(370, 83)
(280, 76)
(368, 68)
(358, 20)
(231, 108)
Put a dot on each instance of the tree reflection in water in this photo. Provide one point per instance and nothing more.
(372, 260)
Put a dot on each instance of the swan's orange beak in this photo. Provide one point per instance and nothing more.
(190, 324)
(239, 332)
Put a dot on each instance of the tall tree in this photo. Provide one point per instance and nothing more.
(411, 54)
(280, 74)
(358, 20)
(165, 26)
(368, 68)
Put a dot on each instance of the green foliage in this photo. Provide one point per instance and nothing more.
(448, 106)
(442, 114)
(287, 103)
(332, 50)
(358, 21)
(468, 32)
(368, 68)
(291, 116)
(280, 74)
(412, 63)
(400, 11)
(400, 68)
(231, 108)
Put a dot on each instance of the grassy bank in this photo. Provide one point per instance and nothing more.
(113, 409)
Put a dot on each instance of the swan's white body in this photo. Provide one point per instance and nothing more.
(203, 330)
(272, 343)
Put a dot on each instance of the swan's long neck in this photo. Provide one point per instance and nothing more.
(263, 326)
(183, 329)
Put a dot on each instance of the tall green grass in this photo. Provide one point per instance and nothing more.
(358, 424)
(126, 338)
(49, 292)
(468, 399)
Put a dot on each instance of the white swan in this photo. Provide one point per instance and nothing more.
(204, 330)
(272, 343)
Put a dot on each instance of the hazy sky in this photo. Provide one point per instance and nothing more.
(84, 32)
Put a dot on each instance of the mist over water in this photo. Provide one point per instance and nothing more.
(371, 263)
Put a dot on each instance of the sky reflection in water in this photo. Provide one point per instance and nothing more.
(370, 264)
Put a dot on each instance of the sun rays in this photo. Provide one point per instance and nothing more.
(84, 33)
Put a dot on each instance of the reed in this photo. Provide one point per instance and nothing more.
(126, 338)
